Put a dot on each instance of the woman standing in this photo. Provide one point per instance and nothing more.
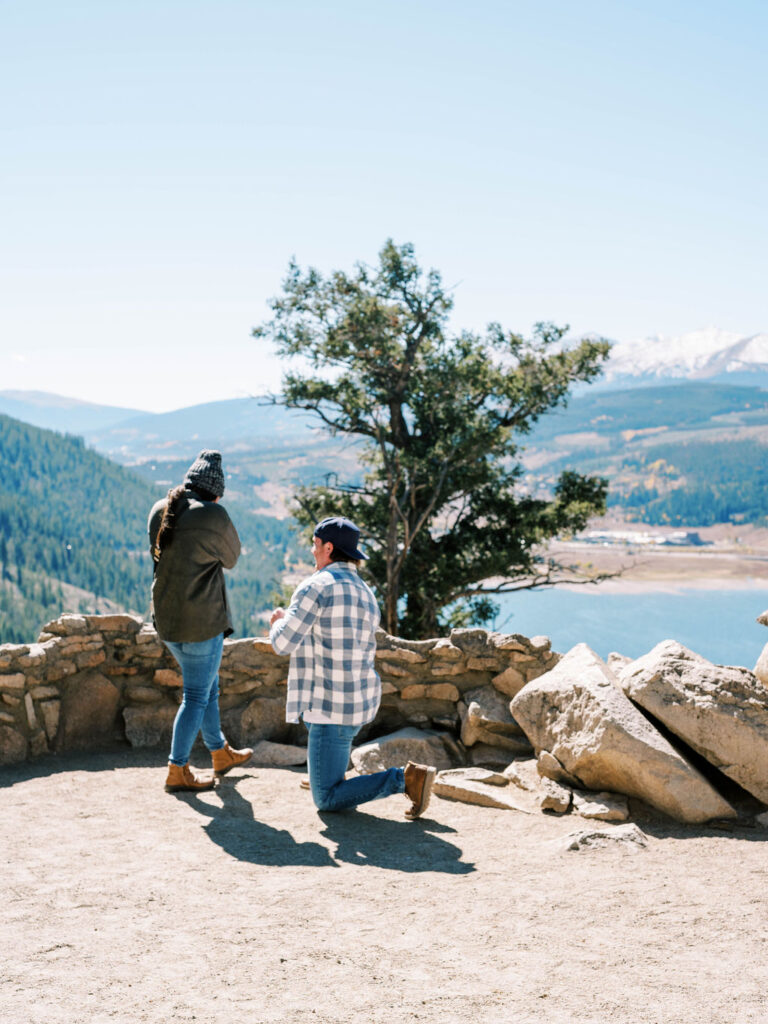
(192, 541)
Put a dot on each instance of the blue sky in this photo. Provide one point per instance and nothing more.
(601, 164)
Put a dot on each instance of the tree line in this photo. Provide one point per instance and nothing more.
(706, 482)
(73, 530)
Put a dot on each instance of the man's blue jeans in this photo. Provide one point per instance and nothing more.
(328, 757)
(199, 664)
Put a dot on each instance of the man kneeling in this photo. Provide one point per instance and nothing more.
(329, 630)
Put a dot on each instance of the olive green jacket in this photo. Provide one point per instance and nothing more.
(189, 598)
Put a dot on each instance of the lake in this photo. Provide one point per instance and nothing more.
(718, 624)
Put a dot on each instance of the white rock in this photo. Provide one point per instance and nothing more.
(510, 681)
(761, 667)
(486, 718)
(578, 712)
(719, 711)
(483, 775)
(488, 709)
(278, 755)
(628, 835)
(601, 806)
(480, 793)
(524, 775)
(397, 748)
(401, 654)
(554, 797)
(509, 746)
(447, 651)
(50, 711)
(551, 796)
(616, 661)
(549, 767)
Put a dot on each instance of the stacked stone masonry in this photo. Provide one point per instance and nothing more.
(93, 680)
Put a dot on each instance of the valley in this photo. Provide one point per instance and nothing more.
(683, 455)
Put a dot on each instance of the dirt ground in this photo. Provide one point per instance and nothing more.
(122, 903)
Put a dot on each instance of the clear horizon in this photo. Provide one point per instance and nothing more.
(28, 394)
(601, 165)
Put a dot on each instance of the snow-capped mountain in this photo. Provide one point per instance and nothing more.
(710, 354)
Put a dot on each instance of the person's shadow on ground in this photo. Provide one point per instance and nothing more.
(360, 838)
(397, 845)
(235, 828)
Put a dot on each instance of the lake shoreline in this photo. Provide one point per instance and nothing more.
(728, 558)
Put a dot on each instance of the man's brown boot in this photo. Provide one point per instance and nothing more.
(419, 779)
(227, 758)
(185, 779)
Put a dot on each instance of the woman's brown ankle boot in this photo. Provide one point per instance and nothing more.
(185, 779)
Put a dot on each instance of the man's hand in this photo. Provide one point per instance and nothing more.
(278, 613)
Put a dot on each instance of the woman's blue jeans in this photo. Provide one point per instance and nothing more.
(328, 757)
(199, 664)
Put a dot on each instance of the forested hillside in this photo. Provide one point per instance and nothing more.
(67, 516)
(72, 523)
(73, 536)
(692, 454)
(701, 483)
(686, 407)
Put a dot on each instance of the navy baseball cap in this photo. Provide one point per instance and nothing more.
(342, 533)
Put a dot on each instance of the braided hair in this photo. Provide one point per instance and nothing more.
(168, 522)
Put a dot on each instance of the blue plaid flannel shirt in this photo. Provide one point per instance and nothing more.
(329, 630)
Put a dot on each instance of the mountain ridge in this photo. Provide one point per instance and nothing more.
(51, 411)
(707, 354)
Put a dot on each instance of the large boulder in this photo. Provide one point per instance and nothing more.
(578, 712)
(761, 666)
(89, 711)
(397, 748)
(719, 711)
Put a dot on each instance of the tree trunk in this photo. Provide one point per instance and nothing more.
(392, 593)
(420, 619)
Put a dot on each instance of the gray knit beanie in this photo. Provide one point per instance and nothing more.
(206, 472)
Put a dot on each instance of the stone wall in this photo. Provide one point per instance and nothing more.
(91, 681)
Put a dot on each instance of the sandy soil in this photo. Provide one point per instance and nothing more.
(731, 557)
(122, 903)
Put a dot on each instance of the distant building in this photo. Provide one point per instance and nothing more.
(677, 538)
